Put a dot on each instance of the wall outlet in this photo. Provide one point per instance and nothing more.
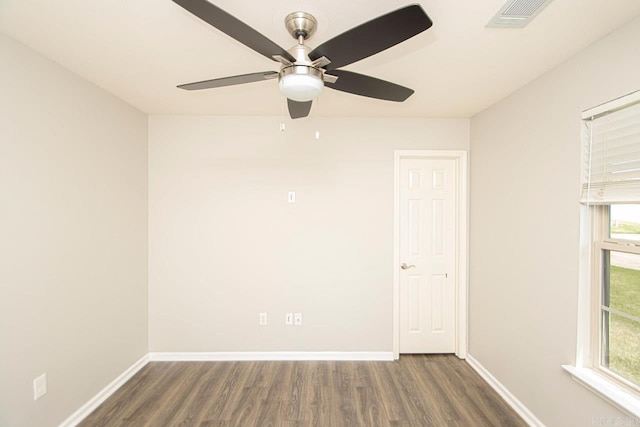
(297, 319)
(288, 319)
(262, 319)
(39, 386)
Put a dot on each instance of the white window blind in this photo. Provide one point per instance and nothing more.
(611, 155)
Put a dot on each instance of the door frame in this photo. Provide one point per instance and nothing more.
(462, 243)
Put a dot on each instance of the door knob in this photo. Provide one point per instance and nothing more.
(404, 266)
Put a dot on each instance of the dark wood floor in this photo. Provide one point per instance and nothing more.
(417, 390)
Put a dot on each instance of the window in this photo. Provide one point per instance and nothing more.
(608, 354)
(617, 280)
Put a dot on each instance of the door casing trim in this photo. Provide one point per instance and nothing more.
(462, 243)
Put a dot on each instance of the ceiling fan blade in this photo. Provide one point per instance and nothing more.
(359, 84)
(230, 81)
(298, 110)
(373, 36)
(234, 28)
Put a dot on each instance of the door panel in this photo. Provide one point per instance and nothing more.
(428, 213)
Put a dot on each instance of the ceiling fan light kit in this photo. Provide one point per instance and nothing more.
(303, 71)
(300, 83)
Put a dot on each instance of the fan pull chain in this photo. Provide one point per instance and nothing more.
(316, 120)
(282, 125)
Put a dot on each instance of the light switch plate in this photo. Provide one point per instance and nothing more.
(292, 197)
(39, 386)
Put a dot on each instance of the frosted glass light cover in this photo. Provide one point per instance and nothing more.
(301, 87)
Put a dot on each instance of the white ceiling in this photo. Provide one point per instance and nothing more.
(140, 50)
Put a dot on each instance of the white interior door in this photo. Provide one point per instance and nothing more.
(428, 212)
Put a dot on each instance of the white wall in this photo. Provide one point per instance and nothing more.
(73, 237)
(225, 244)
(525, 179)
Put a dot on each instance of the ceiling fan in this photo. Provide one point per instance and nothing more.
(305, 71)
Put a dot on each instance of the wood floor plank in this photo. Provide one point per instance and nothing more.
(176, 395)
(344, 407)
(245, 411)
(424, 409)
(370, 408)
(196, 406)
(368, 399)
(417, 390)
(226, 390)
(392, 393)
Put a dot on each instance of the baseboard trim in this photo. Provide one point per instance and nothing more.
(104, 394)
(271, 355)
(517, 406)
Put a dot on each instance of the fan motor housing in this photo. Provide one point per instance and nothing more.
(301, 53)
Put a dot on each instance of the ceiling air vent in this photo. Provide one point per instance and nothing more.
(517, 13)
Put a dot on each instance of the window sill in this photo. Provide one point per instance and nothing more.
(606, 389)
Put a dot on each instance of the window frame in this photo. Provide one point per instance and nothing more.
(602, 241)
